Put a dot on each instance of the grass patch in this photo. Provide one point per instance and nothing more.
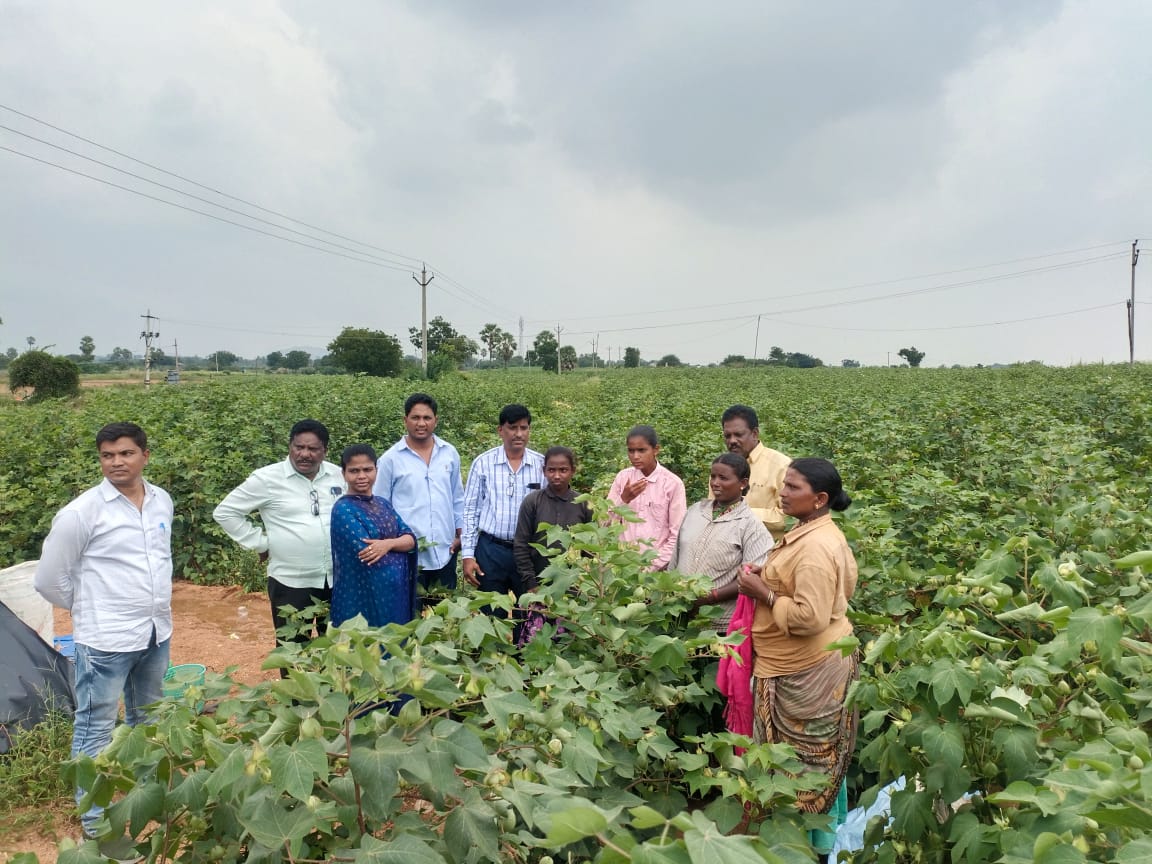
(32, 783)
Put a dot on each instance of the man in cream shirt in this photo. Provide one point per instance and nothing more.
(294, 499)
(742, 435)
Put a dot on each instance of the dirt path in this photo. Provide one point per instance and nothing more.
(216, 626)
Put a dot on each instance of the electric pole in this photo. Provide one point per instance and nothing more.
(756, 344)
(559, 369)
(523, 348)
(1132, 307)
(147, 335)
(425, 278)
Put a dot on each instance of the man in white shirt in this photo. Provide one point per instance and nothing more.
(108, 560)
(294, 499)
(497, 483)
(420, 476)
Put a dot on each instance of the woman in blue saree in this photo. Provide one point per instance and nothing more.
(373, 551)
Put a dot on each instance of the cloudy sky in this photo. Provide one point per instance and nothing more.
(702, 179)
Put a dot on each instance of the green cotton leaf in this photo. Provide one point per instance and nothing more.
(582, 755)
(993, 712)
(502, 705)
(434, 767)
(476, 628)
(1124, 817)
(470, 831)
(377, 771)
(846, 645)
(402, 849)
(945, 744)
(144, 803)
(273, 825)
(912, 813)
(645, 817)
(667, 652)
(575, 823)
(295, 767)
(1031, 612)
(85, 853)
(1022, 792)
(948, 678)
(1133, 852)
(1091, 625)
(653, 853)
(1134, 559)
(707, 845)
(1018, 750)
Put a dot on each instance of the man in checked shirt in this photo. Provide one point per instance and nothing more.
(497, 483)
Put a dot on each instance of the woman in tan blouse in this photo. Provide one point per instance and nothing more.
(802, 593)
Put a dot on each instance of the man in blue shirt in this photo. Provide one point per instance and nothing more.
(497, 483)
(420, 476)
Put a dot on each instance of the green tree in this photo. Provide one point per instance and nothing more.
(46, 376)
(370, 352)
(803, 361)
(545, 347)
(850, 364)
(222, 359)
(911, 355)
(631, 357)
(122, 357)
(506, 347)
(669, 360)
(275, 360)
(777, 355)
(444, 340)
(734, 360)
(87, 349)
(567, 358)
(490, 338)
(297, 359)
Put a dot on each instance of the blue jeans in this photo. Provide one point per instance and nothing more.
(101, 676)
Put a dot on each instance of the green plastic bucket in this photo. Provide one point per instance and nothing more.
(178, 679)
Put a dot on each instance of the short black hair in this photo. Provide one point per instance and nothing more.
(736, 462)
(645, 432)
(822, 476)
(420, 399)
(353, 450)
(566, 452)
(314, 426)
(115, 431)
(741, 412)
(514, 413)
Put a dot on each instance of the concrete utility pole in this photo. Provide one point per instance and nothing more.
(523, 348)
(756, 344)
(1132, 307)
(147, 335)
(559, 369)
(425, 278)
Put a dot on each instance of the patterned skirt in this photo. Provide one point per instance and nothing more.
(807, 710)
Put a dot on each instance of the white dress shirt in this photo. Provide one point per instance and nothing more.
(111, 565)
(493, 495)
(298, 541)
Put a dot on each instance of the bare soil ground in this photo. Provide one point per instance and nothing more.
(214, 625)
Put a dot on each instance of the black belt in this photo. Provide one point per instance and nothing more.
(498, 540)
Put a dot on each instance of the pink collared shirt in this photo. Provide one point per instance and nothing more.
(661, 505)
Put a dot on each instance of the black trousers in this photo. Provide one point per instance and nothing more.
(280, 595)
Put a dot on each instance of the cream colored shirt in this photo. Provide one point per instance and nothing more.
(768, 467)
(813, 573)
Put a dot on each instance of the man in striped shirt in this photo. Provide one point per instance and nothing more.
(497, 483)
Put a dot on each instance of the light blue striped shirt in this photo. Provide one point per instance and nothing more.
(429, 497)
(493, 495)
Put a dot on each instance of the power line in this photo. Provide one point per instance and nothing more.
(202, 212)
(858, 301)
(480, 301)
(204, 186)
(1112, 305)
(860, 285)
(210, 203)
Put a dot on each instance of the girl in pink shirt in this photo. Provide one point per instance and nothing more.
(653, 493)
